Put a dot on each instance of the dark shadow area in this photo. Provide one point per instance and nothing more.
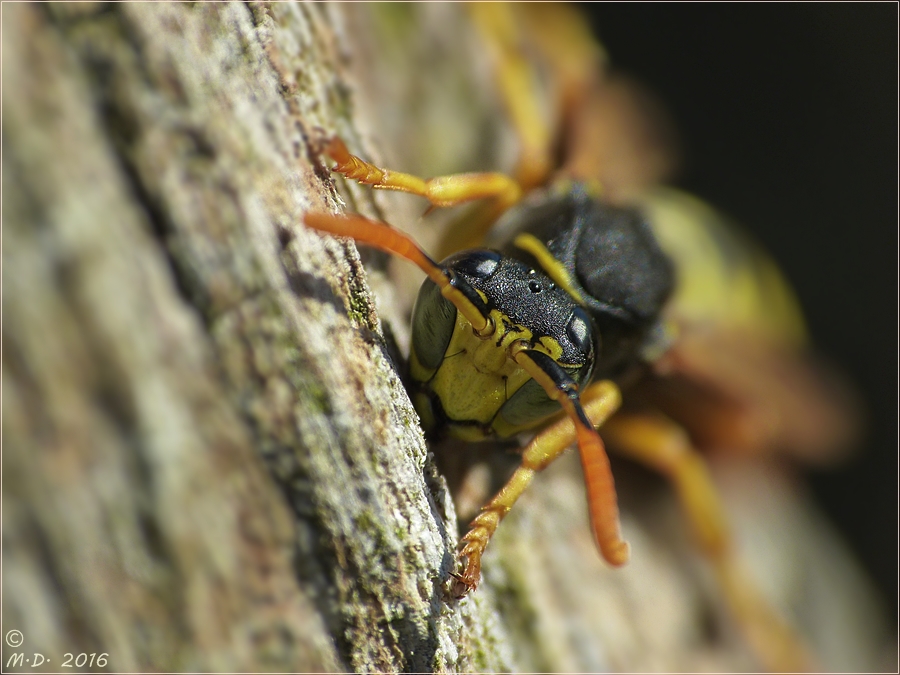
(788, 118)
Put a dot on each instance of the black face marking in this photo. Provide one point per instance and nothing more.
(479, 264)
(508, 327)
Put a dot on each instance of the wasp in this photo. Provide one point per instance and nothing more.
(578, 298)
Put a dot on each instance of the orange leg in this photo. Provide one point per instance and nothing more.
(513, 36)
(439, 191)
(600, 401)
(662, 445)
(560, 37)
(565, 41)
(516, 80)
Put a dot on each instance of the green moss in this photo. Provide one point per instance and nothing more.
(359, 308)
(314, 397)
(365, 521)
(480, 658)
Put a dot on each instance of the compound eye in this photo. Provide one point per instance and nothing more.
(478, 264)
(580, 331)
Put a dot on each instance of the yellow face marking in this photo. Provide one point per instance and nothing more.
(477, 375)
(551, 266)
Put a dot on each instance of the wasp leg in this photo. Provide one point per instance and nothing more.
(564, 39)
(440, 191)
(662, 445)
(564, 43)
(574, 58)
(515, 78)
(599, 401)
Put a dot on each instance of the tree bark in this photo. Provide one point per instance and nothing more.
(211, 463)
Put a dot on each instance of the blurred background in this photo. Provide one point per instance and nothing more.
(787, 115)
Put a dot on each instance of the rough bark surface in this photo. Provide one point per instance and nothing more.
(210, 462)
